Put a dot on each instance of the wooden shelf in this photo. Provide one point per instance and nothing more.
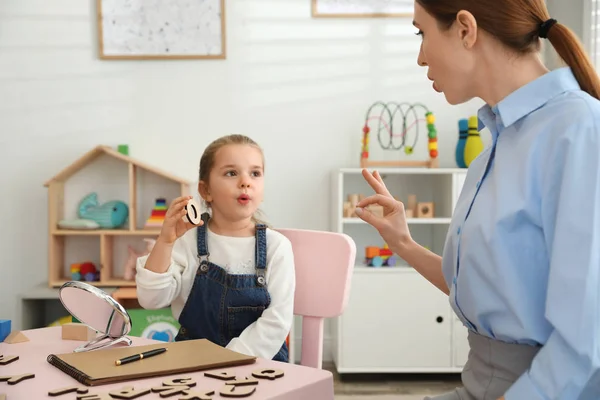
(119, 177)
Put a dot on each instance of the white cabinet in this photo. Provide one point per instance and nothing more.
(396, 321)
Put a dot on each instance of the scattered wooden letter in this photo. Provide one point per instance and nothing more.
(16, 337)
(243, 382)
(65, 390)
(179, 382)
(13, 380)
(128, 392)
(237, 391)
(224, 376)
(7, 359)
(167, 391)
(95, 396)
(189, 395)
(270, 374)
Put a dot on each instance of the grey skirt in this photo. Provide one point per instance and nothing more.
(491, 368)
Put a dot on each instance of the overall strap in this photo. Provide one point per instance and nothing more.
(261, 253)
(202, 237)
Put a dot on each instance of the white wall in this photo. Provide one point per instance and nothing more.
(293, 83)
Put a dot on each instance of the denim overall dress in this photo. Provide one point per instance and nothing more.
(221, 305)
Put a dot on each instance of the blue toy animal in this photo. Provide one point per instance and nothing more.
(110, 215)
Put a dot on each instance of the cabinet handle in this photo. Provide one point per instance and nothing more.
(439, 320)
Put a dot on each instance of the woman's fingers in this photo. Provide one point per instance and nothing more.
(376, 182)
(378, 199)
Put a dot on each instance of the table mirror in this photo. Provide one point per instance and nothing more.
(98, 310)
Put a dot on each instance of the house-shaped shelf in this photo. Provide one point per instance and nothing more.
(112, 176)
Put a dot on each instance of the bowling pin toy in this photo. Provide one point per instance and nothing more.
(474, 144)
(463, 127)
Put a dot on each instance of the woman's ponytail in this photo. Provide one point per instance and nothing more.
(572, 52)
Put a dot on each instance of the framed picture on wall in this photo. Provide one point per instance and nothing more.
(161, 29)
(362, 8)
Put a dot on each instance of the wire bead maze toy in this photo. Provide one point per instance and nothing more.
(390, 139)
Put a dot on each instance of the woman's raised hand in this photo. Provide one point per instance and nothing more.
(174, 225)
(392, 226)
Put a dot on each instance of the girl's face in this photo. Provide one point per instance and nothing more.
(235, 187)
(450, 63)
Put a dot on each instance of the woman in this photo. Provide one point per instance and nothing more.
(521, 263)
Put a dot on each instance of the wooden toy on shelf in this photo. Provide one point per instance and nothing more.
(138, 182)
(425, 210)
(474, 144)
(388, 130)
(157, 215)
(350, 206)
(380, 256)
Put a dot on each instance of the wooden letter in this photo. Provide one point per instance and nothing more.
(243, 382)
(237, 391)
(65, 390)
(198, 395)
(166, 391)
(179, 382)
(16, 337)
(96, 396)
(128, 393)
(7, 359)
(271, 374)
(13, 380)
(224, 376)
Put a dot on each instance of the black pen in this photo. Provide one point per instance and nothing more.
(140, 356)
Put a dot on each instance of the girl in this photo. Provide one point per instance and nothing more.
(521, 262)
(231, 280)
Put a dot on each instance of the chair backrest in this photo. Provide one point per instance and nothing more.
(324, 262)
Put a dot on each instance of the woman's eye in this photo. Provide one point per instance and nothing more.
(419, 33)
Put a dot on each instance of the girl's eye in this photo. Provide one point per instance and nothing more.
(256, 173)
(230, 173)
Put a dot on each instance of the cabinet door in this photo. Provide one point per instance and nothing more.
(460, 344)
(395, 320)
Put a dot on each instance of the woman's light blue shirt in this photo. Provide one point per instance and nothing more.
(522, 256)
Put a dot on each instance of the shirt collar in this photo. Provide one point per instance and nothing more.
(526, 99)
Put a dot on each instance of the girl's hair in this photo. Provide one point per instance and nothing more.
(516, 23)
(207, 161)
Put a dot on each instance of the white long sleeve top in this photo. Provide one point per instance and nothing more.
(236, 255)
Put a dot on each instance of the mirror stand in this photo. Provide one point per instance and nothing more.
(96, 309)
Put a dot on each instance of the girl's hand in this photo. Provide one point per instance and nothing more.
(392, 226)
(176, 223)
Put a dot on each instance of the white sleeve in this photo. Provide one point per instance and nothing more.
(264, 337)
(154, 290)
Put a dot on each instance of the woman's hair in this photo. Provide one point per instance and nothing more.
(207, 161)
(516, 23)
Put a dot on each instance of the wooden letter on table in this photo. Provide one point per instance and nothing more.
(65, 390)
(13, 380)
(128, 392)
(7, 359)
(189, 395)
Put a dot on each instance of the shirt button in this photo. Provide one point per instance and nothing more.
(458, 231)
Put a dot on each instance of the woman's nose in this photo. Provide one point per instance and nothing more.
(421, 59)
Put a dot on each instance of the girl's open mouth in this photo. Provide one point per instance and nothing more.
(243, 199)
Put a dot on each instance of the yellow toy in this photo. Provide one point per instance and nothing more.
(474, 144)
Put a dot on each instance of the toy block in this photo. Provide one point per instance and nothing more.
(74, 331)
(376, 210)
(16, 337)
(157, 216)
(425, 210)
(347, 209)
(411, 204)
(5, 328)
(409, 213)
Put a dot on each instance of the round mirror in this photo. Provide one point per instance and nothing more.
(96, 309)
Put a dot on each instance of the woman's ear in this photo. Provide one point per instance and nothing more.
(467, 28)
(204, 191)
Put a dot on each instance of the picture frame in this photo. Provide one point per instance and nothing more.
(161, 29)
(361, 8)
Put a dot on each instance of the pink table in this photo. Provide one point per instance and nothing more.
(298, 383)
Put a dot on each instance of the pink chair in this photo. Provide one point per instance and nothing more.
(324, 264)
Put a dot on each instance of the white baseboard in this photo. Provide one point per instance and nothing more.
(327, 349)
